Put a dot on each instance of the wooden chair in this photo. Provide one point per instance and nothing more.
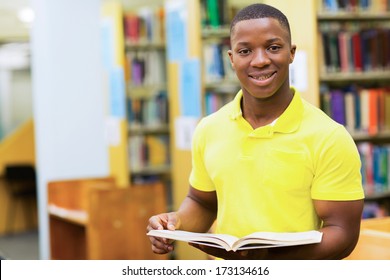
(94, 219)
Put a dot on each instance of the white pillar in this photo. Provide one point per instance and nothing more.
(68, 97)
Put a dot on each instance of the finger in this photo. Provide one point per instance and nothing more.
(158, 245)
(163, 241)
(156, 222)
(159, 250)
(244, 253)
(173, 221)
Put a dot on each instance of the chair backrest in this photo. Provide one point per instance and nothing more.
(20, 172)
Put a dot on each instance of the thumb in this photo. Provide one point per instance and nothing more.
(173, 221)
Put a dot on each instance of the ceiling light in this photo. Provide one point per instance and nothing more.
(26, 15)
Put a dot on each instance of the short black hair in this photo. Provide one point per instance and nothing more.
(256, 11)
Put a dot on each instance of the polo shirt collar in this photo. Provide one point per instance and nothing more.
(288, 122)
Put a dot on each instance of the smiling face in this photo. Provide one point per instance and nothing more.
(261, 53)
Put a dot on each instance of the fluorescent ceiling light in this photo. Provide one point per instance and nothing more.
(26, 15)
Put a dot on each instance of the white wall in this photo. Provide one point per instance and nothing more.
(68, 97)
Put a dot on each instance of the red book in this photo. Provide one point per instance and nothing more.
(386, 93)
(131, 28)
(357, 52)
(366, 154)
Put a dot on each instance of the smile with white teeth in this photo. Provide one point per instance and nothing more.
(263, 77)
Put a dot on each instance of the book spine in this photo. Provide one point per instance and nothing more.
(373, 112)
(338, 106)
(213, 12)
(355, 47)
(363, 110)
(350, 117)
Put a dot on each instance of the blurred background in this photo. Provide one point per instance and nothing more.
(99, 99)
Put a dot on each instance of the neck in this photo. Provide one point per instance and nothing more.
(261, 112)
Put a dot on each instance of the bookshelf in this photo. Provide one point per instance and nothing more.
(219, 80)
(147, 100)
(354, 68)
(303, 31)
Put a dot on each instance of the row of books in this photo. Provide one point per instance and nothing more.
(375, 168)
(216, 62)
(148, 151)
(149, 111)
(360, 110)
(214, 13)
(145, 26)
(374, 209)
(354, 47)
(146, 67)
(355, 5)
(215, 100)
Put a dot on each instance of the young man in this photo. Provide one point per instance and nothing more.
(268, 160)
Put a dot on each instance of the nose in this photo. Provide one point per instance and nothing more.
(260, 58)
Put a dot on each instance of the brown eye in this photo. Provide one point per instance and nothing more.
(244, 51)
(274, 48)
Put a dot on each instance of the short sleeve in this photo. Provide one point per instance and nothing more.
(337, 172)
(199, 177)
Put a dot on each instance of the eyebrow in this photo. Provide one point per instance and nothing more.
(273, 40)
(269, 41)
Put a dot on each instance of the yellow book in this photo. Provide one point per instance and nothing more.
(157, 150)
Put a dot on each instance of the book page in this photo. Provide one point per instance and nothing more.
(286, 236)
(215, 240)
(274, 239)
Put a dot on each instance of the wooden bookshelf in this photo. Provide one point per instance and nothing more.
(348, 16)
(164, 128)
(147, 94)
(383, 195)
(220, 84)
(369, 85)
(377, 76)
(94, 219)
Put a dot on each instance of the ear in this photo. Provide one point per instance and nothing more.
(230, 53)
(292, 53)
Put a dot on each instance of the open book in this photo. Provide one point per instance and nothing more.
(252, 241)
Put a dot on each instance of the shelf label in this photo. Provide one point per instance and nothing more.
(298, 71)
(117, 93)
(184, 130)
(190, 90)
(112, 131)
(176, 22)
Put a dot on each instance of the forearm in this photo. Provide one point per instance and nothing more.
(196, 216)
(336, 244)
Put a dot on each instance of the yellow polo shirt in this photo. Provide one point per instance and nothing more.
(266, 178)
